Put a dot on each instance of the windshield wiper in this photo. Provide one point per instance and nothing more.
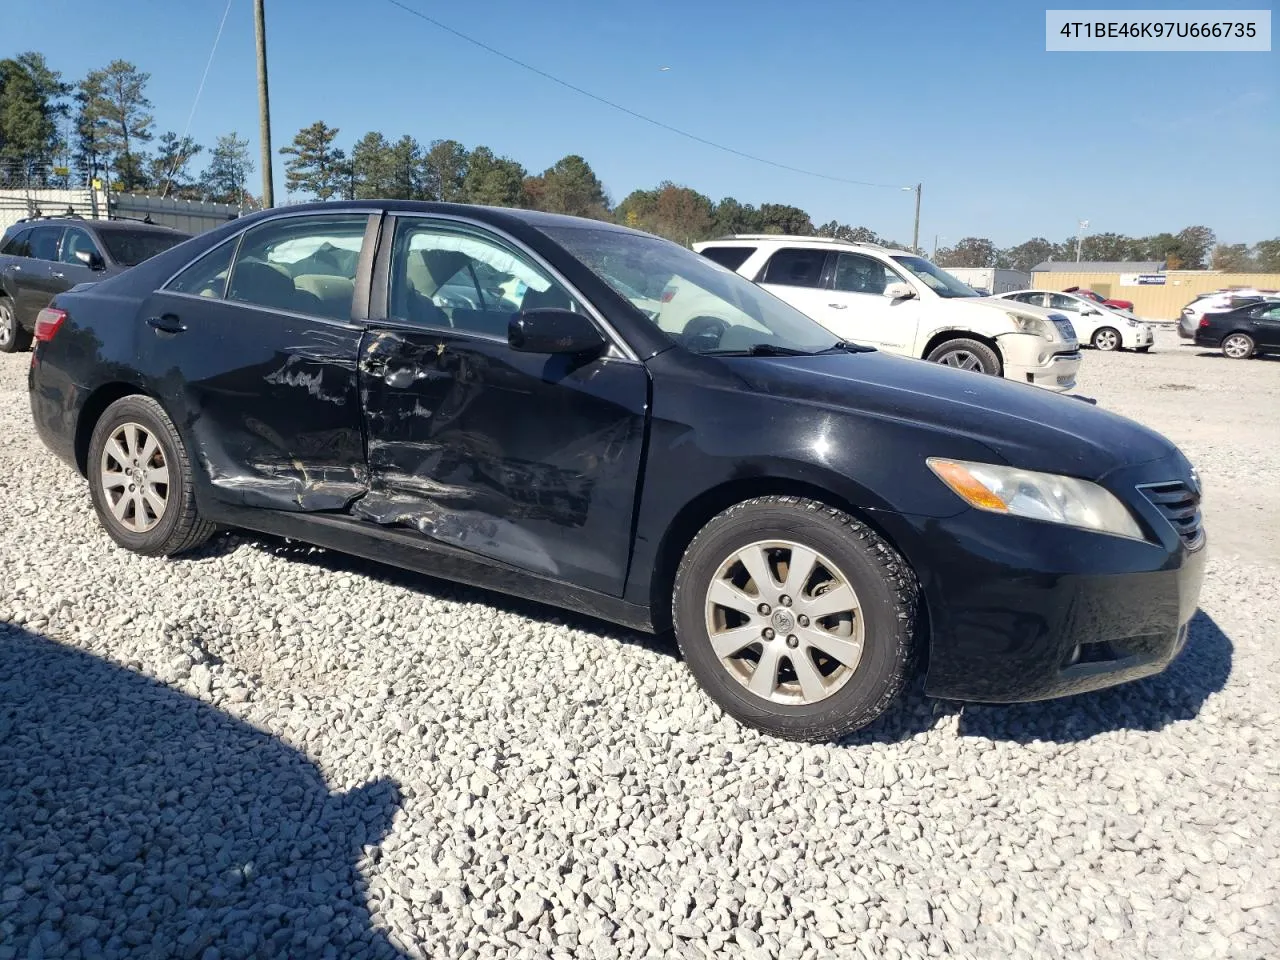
(762, 350)
(849, 347)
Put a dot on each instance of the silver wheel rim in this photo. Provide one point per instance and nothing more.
(784, 622)
(962, 359)
(1106, 340)
(6, 324)
(135, 477)
(1236, 347)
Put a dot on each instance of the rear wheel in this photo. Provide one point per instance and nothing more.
(12, 337)
(967, 354)
(1106, 338)
(140, 480)
(1238, 346)
(795, 617)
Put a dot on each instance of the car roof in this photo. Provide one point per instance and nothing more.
(794, 240)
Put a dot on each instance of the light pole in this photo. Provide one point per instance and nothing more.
(915, 232)
(1084, 225)
(264, 105)
(936, 238)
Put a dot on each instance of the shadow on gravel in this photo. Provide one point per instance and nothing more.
(136, 821)
(1150, 704)
(1219, 355)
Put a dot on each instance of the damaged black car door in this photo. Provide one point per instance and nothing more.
(530, 458)
(253, 349)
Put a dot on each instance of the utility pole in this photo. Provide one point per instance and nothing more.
(1083, 226)
(935, 246)
(264, 103)
(915, 233)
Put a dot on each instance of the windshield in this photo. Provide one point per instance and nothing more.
(698, 303)
(939, 281)
(130, 247)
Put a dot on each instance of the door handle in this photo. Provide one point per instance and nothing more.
(838, 306)
(168, 323)
(59, 275)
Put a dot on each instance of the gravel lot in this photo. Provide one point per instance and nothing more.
(267, 750)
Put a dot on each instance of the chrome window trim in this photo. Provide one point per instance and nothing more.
(611, 334)
(245, 305)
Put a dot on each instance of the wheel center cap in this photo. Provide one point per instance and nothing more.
(783, 620)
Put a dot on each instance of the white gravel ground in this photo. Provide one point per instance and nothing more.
(265, 750)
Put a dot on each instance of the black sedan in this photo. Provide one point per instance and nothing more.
(815, 520)
(1243, 332)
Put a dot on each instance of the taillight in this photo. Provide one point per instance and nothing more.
(1204, 321)
(48, 321)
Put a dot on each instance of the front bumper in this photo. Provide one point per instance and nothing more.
(1021, 610)
(1025, 364)
(1137, 337)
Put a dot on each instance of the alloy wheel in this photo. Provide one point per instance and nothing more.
(1237, 346)
(1106, 339)
(6, 324)
(785, 622)
(135, 477)
(962, 359)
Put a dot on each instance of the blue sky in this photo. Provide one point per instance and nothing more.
(1009, 141)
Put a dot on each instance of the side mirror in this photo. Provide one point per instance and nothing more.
(90, 259)
(899, 291)
(553, 330)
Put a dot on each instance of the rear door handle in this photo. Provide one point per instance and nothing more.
(168, 323)
(59, 275)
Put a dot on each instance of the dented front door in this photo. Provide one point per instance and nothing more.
(525, 458)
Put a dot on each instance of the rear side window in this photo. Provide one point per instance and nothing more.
(130, 247)
(17, 246)
(795, 267)
(44, 243)
(304, 264)
(731, 257)
(207, 277)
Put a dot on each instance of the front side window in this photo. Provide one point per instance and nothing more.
(44, 243)
(938, 280)
(130, 247)
(698, 303)
(856, 273)
(795, 267)
(731, 257)
(207, 277)
(453, 277)
(18, 245)
(301, 265)
(76, 241)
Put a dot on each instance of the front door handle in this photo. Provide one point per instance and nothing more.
(838, 306)
(58, 274)
(168, 323)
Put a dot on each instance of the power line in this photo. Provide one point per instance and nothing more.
(199, 90)
(632, 113)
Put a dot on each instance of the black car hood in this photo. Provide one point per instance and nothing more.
(1029, 427)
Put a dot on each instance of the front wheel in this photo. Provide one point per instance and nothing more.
(12, 337)
(1106, 338)
(795, 617)
(1238, 346)
(140, 480)
(966, 354)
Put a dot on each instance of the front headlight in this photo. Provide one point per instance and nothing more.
(1037, 496)
(1034, 325)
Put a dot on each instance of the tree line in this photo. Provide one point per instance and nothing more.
(102, 126)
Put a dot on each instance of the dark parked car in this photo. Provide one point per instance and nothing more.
(41, 258)
(1243, 332)
(813, 518)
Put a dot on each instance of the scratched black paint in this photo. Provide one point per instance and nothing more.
(579, 479)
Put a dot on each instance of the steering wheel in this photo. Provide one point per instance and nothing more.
(704, 333)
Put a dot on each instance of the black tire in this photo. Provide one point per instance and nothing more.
(961, 351)
(178, 527)
(1107, 339)
(1145, 349)
(1238, 346)
(13, 338)
(887, 594)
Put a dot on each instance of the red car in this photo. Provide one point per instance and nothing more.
(1099, 298)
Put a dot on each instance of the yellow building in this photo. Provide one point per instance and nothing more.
(1157, 294)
